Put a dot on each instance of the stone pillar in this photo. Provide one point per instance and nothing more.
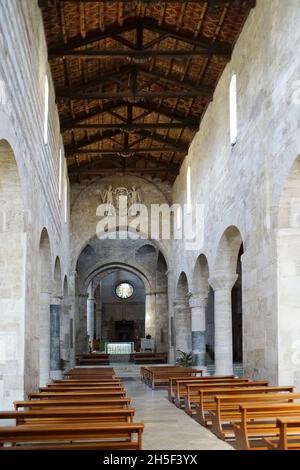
(171, 322)
(183, 325)
(73, 307)
(91, 317)
(81, 323)
(222, 285)
(198, 305)
(55, 313)
(44, 353)
(150, 315)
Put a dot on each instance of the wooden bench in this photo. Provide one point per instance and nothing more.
(81, 394)
(228, 408)
(72, 436)
(183, 380)
(149, 357)
(73, 403)
(92, 359)
(68, 415)
(160, 376)
(192, 397)
(147, 371)
(186, 391)
(289, 435)
(83, 383)
(262, 422)
(208, 401)
(75, 388)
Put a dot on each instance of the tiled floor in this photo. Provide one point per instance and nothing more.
(166, 427)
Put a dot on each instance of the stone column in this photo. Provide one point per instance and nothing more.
(150, 315)
(91, 317)
(55, 313)
(183, 331)
(72, 307)
(171, 322)
(222, 285)
(81, 323)
(44, 353)
(198, 305)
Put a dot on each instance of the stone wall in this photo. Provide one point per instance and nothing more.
(23, 65)
(241, 185)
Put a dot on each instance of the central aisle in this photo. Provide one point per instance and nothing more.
(166, 427)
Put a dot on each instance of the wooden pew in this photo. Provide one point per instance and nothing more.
(68, 415)
(76, 402)
(83, 383)
(148, 357)
(207, 398)
(289, 435)
(172, 389)
(75, 388)
(92, 359)
(186, 392)
(192, 397)
(228, 408)
(99, 436)
(81, 394)
(154, 376)
(258, 421)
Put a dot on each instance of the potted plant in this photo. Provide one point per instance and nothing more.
(184, 359)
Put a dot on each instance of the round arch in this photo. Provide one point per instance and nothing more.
(288, 276)
(13, 327)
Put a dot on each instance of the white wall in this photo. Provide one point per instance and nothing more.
(241, 185)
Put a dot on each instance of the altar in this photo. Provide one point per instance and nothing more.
(119, 348)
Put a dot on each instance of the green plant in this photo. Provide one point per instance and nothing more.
(184, 359)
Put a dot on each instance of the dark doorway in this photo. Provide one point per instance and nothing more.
(237, 313)
(124, 331)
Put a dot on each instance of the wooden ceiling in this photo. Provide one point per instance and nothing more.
(134, 78)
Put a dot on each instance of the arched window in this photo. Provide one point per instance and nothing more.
(46, 110)
(188, 191)
(66, 195)
(233, 110)
(60, 175)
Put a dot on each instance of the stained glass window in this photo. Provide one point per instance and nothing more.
(124, 290)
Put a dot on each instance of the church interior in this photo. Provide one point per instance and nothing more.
(149, 225)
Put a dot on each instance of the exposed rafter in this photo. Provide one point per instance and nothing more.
(71, 152)
(171, 143)
(204, 45)
(203, 91)
(192, 122)
(136, 126)
(133, 83)
(211, 3)
(104, 171)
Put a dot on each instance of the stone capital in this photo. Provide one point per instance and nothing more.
(198, 300)
(180, 303)
(57, 300)
(223, 281)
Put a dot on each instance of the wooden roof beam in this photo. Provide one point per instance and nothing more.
(210, 3)
(97, 54)
(135, 126)
(164, 30)
(71, 151)
(201, 91)
(191, 121)
(94, 140)
(104, 171)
